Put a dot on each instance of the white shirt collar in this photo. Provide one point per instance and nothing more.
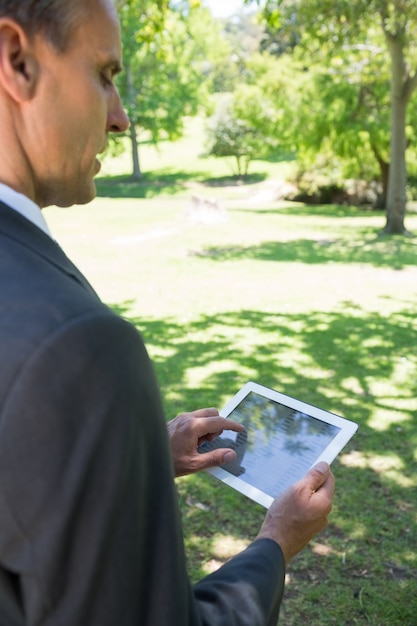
(23, 205)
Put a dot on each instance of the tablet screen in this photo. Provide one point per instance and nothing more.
(280, 442)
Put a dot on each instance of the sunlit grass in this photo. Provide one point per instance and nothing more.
(310, 301)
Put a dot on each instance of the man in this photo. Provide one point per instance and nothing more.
(90, 532)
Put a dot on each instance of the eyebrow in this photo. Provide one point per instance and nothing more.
(110, 63)
(115, 67)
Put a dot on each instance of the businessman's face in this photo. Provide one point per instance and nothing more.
(77, 105)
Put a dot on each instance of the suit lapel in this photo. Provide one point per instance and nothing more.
(24, 232)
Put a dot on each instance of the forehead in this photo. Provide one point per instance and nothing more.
(98, 31)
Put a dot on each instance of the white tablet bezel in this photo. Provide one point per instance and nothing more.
(328, 454)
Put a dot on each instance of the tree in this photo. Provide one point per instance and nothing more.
(242, 128)
(164, 65)
(338, 24)
(343, 114)
(229, 136)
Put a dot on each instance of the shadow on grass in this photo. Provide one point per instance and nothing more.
(353, 349)
(350, 345)
(298, 209)
(149, 186)
(230, 181)
(364, 248)
(166, 182)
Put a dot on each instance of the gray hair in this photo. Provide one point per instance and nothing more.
(53, 18)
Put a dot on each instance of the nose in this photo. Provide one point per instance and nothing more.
(117, 120)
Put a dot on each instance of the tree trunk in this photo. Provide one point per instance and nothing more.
(239, 165)
(137, 172)
(384, 168)
(397, 178)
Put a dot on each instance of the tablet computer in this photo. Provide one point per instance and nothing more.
(283, 438)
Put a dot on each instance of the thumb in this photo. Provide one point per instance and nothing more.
(220, 456)
(318, 475)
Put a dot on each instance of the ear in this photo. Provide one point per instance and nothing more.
(18, 64)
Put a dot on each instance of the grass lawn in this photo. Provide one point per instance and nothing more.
(308, 300)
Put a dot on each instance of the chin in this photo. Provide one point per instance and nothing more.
(86, 198)
(67, 193)
(82, 195)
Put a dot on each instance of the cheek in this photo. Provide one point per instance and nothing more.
(86, 140)
(73, 131)
(87, 112)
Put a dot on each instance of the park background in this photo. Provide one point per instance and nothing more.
(262, 254)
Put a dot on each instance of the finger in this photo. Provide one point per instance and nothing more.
(216, 457)
(317, 475)
(328, 487)
(232, 425)
(208, 412)
(216, 425)
(223, 423)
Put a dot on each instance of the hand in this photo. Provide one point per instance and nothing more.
(300, 512)
(189, 430)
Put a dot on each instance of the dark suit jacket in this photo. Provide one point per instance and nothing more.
(90, 532)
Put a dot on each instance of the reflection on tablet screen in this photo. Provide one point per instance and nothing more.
(278, 446)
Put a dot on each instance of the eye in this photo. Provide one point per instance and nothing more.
(106, 79)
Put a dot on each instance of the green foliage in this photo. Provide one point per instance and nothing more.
(169, 53)
(326, 96)
(214, 52)
(229, 136)
(160, 83)
(334, 109)
(241, 128)
(245, 33)
(280, 82)
(329, 29)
